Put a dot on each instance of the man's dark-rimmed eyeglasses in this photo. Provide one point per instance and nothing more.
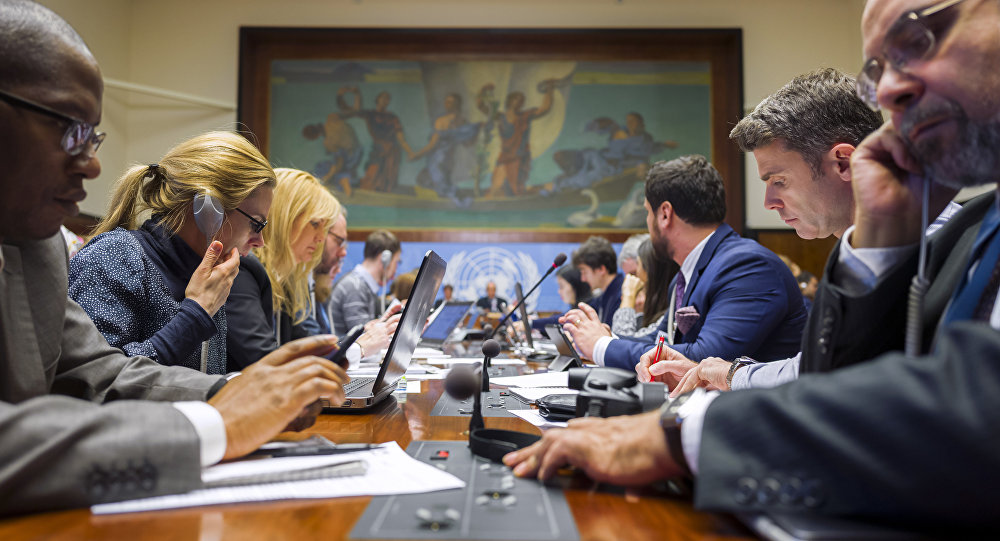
(79, 134)
(913, 37)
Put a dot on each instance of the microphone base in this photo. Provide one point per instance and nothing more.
(493, 444)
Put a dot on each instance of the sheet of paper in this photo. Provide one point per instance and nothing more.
(426, 377)
(390, 471)
(246, 468)
(545, 379)
(429, 353)
(473, 360)
(531, 394)
(412, 386)
(533, 417)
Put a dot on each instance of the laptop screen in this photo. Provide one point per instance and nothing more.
(446, 320)
(411, 322)
(523, 312)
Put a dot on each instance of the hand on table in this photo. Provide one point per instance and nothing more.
(668, 369)
(273, 392)
(624, 450)
(710, 373)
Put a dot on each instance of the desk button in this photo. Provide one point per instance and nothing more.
(440, 455)
(509, 501)
(791, 492)
(746, 490)
(768, 491)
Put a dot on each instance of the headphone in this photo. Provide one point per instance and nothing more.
(208, 214)
(386, 257)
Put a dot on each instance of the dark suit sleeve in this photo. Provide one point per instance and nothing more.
(250, 328)
(897, 438)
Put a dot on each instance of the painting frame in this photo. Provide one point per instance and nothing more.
(721, 49)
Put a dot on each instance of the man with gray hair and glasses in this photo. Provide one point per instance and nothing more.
(883, 439)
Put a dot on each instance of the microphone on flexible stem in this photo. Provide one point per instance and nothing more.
(463, 382)
(556, 263)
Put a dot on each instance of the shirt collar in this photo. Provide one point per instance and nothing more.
(687, 267)
(367, 277)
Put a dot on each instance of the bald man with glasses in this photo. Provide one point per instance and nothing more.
(80, 422)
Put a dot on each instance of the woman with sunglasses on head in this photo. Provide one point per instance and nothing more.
(157, 288)
(270, 302)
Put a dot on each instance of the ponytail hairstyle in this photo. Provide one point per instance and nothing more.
(299, 198)
(221, 164)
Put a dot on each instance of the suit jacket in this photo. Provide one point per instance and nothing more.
(484, 304)
(79, 420)
(894, 438)
(841, 331)
(748, 301)
(607, 303)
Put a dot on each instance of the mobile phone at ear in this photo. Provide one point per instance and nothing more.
(340, 357)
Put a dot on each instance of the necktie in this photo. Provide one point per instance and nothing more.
(679, 291)
(975, 296)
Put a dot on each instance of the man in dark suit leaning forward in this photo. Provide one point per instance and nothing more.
(732, 296)
(913, 440)
(80, 422)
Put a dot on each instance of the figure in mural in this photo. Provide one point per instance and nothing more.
(514, 125)
(631, 146)
(450, 130)
(386, 131)
(343, 153)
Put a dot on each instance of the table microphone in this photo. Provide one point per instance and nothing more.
(556, 263)
(464, 381)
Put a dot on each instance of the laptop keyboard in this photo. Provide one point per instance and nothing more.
(357, 383)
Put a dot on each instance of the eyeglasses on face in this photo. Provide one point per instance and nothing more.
(79, 134)
(913, 37)
(255, 225)
(336, 238)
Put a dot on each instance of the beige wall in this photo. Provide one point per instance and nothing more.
(192, 46)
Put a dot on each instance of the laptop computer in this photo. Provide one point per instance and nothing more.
(448, 316)
(362, 392)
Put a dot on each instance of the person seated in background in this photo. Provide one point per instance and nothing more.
(644, 306)
(270, 303)
(81, 423)
(355, 298)
(628, 258)
(147, 288)
(731, 297)
(401, 287)
(334, 252)
(802, 138)
(446, 291)
(490, 302)
(871, 441)
(597, 263)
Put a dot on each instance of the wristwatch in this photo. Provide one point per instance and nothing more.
(670, 422)
(740, 362)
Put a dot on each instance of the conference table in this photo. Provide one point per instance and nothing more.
(602, 512)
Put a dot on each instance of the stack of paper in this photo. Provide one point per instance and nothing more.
(389, 471)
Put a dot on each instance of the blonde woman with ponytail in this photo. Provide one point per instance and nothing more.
(271, 302)
(156, 287)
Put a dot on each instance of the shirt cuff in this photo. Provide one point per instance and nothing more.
(599, 348)
(353, 356)
(209, 426)
(859, 269)
(692, 415)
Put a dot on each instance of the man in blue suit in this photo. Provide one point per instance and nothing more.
(732, 296)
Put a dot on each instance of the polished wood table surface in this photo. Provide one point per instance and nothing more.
(601, 512)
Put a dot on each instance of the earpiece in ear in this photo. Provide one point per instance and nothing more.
(208, 214)
(386, 257)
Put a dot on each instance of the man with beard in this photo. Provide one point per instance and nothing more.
(732, 295)
(884, 439)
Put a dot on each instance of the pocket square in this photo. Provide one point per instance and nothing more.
(686, 317)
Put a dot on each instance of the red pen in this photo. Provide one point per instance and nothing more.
(659, 348)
